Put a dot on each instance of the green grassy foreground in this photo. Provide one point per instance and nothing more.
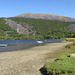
(64, 65)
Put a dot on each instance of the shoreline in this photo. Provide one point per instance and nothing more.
(29, 61)
(14, 45)
(26, 48)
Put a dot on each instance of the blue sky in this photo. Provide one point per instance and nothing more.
(9, 8)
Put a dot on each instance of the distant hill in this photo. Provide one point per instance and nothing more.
(36, 26)
(45, 16)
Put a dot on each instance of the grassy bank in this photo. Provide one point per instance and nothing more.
(70, 48)
(64, 65)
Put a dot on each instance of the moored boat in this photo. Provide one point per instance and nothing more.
(3, 45)
(39, 41)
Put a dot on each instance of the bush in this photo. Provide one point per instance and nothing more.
(68, 46)
(70, 39)
(74, 43)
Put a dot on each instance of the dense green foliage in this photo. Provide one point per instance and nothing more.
(24, 36)
(13, 34)
(4, 26)
(1, 33)
(47, 28)
(63, 66)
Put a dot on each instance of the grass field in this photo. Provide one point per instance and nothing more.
(64, 65)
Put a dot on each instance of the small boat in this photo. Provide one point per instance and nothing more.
(3, 45)
(39, 41)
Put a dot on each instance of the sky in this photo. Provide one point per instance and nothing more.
(10, 8)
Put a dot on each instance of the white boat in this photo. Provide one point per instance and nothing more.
(3, 45)
(39, 41)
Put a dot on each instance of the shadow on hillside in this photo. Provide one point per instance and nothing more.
(43, 71)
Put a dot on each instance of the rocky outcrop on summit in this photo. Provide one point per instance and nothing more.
(25, 29)
(46, 16)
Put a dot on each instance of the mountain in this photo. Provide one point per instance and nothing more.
(45, 16)
(36, 26)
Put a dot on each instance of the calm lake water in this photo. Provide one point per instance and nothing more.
(22, 44)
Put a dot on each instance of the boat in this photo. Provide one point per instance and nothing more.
(3, 45)
(39, 41)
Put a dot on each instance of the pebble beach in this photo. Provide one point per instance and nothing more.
(29, 61)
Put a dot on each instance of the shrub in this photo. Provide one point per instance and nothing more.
(74, 43)
(70, 39)
(68, 46)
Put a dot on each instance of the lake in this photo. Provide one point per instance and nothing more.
(23, 44)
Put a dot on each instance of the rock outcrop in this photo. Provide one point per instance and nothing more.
(71, 27)
(21, 29)
(72, 55)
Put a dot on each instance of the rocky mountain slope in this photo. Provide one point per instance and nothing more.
(45, 16)
(37, 26)
(48, 28)
(26, 29)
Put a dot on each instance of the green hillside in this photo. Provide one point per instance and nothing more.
(4, 26)
(44, 29)
(12, 34)
(47, 28)
(2, 33)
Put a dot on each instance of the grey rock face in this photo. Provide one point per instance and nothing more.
(46, 16)
(71, 27)
(11, 23)
(25, 29)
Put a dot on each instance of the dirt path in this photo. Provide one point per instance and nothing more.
(27, 62)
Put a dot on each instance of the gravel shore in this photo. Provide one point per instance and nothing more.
(27, 62)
